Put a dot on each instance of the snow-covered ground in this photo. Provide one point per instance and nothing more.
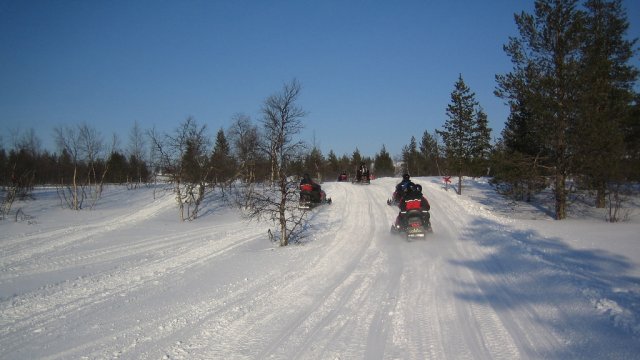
(494, 281)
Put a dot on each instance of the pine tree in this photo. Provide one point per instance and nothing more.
(356, 159)
(631, 125)
(546, 58)
(430, 154)
(315, 163)
(5, 174)
(411, 157)
(481, 141)
(518, 158)
(606, 94)
(193, 164)
(345, 163)
(383, 164)
(138, 169)
(333, 164)
(223, 164)
(459, 130)
(119, 168)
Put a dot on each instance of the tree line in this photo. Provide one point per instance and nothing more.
(237, 152)
(574, 122)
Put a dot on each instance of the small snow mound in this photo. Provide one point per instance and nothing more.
(621, 316)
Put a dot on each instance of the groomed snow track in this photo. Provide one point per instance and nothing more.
(145, 286)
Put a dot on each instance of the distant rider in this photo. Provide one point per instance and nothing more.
(362, 173)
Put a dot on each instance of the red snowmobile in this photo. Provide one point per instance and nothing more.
(311, 195)
(414, 225)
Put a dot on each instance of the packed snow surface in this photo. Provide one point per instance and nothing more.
(494, 281)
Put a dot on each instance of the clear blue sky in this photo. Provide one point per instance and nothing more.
(373, 72)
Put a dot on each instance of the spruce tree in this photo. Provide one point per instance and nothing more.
(606, 94)
(412, 159)
(546, 59)
(519, 157)
(356, 159)
(333, 164)
(383, 164)
(631, 124)
(315, 164)
(430, 154)
(459, 130)
(481, 142)
(345, 163)
(223, 164)
(119, 168)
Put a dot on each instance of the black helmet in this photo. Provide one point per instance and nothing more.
(419, 188)
(405, 176)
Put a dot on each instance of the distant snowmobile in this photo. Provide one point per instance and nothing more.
(362, 175)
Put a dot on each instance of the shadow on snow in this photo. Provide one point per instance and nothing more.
(535, 271)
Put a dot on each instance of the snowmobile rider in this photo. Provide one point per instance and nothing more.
(413, 200)
(362, 171)
(402, 187)
(315, 189)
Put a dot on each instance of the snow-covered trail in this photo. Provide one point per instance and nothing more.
(143, 286)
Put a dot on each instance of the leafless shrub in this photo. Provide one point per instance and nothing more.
(183, 159)
(617, 197)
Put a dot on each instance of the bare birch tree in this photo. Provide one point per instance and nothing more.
(282, 120)
(136, 152)
(245, 141)
(83, 147)
(68, 142)
(183, 157)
